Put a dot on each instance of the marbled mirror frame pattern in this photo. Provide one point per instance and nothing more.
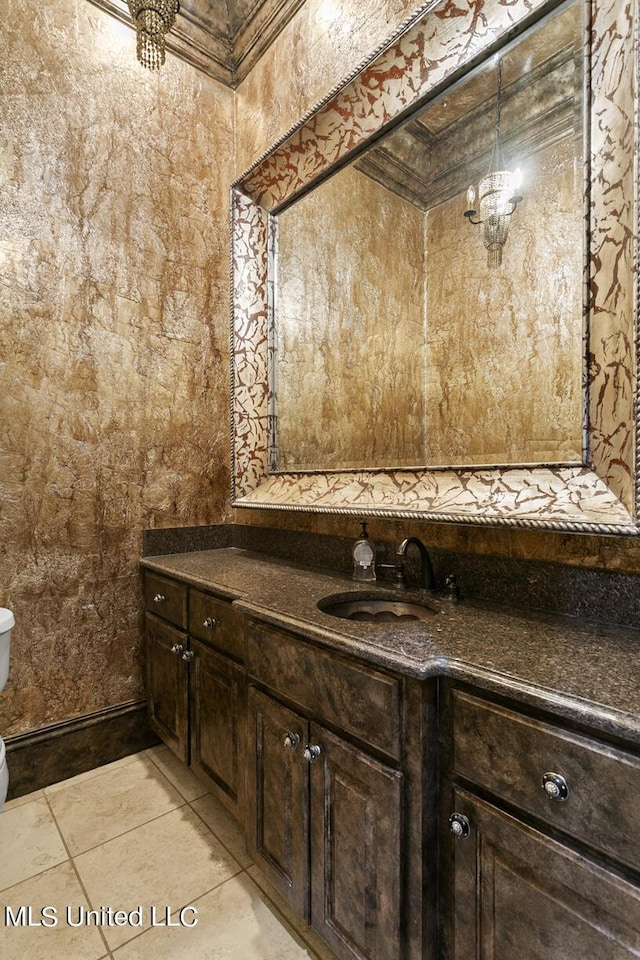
(599, 497)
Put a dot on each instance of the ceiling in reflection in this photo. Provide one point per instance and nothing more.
(435, 156)
(222, 38)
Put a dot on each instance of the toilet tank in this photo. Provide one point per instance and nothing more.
(7, 622)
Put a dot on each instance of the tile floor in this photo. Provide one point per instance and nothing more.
(138, 842)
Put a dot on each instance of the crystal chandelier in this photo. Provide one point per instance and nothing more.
(153, 20)
(497, 195)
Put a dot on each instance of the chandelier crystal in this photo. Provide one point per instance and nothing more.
(497, 195)
(153, 19)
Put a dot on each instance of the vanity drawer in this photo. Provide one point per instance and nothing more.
(355, 698)
(216, 622)
(166, 598)
(508, 754)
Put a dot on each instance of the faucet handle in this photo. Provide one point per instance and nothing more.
(397, 578)
(451, 589)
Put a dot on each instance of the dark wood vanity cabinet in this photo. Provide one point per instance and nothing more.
(325, 826)
(167, 685)
(166, 679)
(403, 819)
(527, 870)
(195, 682)
(217, 702)
(326, 812)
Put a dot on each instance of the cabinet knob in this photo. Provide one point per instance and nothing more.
(188, 656)
(311, 752)
(209, 623)
(459, 826)
(159, 598)
(177, 648)
(555, 786)
(291, 741)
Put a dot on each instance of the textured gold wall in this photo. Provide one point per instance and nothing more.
(350, 330)
(500, 356)
(505, 345)
(114, 332)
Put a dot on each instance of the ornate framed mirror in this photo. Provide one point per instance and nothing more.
(386, 360)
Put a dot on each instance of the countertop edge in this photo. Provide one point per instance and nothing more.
(598, 717)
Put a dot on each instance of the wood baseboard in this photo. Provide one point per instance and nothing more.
(61, 750)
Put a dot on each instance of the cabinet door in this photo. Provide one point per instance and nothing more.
(278, 797)
(217, 720)
(167, 688)
(356, 819)
(518, 893)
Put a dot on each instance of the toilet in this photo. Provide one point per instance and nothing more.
(7, 622)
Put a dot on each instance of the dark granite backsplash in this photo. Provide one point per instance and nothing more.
(156, 543)
(551, 587)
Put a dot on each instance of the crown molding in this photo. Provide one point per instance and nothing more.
(200, 42)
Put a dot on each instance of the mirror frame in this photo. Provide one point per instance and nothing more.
(436, 45)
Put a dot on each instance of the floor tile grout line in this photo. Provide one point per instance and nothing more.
(77, 873)
(280, 916)
(237, 872)
(88, 775)
(71, 859)
(22, 800)
(33, 876)
(205, 792)
(295, 933)
(59, 829)
(217, 836)
(240, 870)
(118, 766)
(124, 833)
(53, 865)
(141, 933)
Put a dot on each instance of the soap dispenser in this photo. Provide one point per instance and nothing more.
(364, 556)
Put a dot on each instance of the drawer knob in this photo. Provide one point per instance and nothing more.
(291, 741)
(159, 598)
(311, 752)
(459, 826)
(177, 648)
(209, 623)
(555, 786)
(188, 656)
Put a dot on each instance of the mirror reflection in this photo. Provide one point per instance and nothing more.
(394, 323)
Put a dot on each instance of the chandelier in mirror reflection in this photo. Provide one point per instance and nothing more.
(497, 194)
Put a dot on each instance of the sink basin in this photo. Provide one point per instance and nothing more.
(372, 608)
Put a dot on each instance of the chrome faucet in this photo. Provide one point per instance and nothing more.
(427, 576)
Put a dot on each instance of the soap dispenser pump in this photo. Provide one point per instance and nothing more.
(364, 556)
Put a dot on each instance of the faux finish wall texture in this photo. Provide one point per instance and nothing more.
(351, 329)
(504, 381)
(114, 332)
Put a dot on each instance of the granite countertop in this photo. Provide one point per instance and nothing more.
(585, 671)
